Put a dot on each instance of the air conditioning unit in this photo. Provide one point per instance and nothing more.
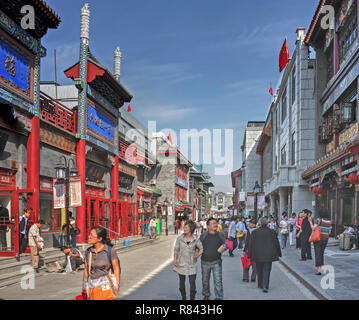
(153, 182)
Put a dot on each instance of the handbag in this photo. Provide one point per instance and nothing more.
(82, 296)
(315, 236)
(103, 288)
(284, 231)
(240, 234)
(229, 244)
(246, 262)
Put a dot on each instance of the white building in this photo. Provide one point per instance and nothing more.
(292, 127)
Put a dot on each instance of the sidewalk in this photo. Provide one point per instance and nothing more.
(345, 264)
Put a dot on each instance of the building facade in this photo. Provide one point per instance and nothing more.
(287, 144)
(332, 177)
(23, 130)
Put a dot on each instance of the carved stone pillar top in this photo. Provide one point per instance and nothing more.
(117, 63)
(85, 21)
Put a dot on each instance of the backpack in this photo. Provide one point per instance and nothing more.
(108, 256)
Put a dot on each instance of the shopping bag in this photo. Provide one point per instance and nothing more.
(82, 296)
(230, 244)
(103, 288)
(315, 236)
(246, 262)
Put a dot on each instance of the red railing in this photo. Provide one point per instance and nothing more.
(53, 111)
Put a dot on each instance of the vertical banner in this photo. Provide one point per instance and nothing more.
(169, 208)
(261, 201)
(75, 192)
(250, 202)
(59, 194)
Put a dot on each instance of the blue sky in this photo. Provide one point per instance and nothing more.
(189, 64)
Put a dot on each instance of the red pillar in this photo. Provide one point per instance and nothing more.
(114, 193)
(33, 166)
(81, 211)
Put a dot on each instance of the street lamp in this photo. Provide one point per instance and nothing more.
(63, 172)
(165, 203)
(256, 190)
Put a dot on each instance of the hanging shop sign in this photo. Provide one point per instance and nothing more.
(59, 195)
(169, 210)
(75, 195)
(261, 202)
(250, 202)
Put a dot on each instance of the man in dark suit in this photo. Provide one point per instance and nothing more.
(264, 248)
(306, 252)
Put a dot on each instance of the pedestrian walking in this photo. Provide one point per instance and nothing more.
(292, 228)
(306, 231)
(153, 227)
(232, 235)
(251, 227)
(186, 252)
(241, 232)
(176, 226)
(102, 267)
(73, 229)
(298, 225)
(264, 249)
(319, 246)
(284, 231)
(211, 260)
(273, 224)
(35, 243)
(23, 224)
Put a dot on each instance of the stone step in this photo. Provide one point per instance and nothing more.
(11, 273)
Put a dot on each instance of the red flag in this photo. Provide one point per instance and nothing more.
(169, 138)
(271, 90)
(284, 56)
(129, 108)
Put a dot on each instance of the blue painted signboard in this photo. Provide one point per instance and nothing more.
(14, 67)
(100, 124)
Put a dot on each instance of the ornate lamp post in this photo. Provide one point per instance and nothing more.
(256, 190)
(63, 173)
(165, 203)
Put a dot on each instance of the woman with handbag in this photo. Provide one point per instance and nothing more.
(284, 231)
(187, 250)
(102, 267)
(320, 235)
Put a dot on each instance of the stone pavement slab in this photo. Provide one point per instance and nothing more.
(346, 270)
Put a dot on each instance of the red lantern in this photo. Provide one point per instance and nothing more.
(315, 190)
(353, 178)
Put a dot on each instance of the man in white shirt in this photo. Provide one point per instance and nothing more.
(153, 227)
(35, 243)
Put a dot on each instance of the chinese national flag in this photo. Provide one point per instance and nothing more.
(129, 108)
(169, 138)
(284, 56)
(271, 90)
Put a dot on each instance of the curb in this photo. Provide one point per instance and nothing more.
(304, 281)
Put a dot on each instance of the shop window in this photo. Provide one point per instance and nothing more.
(293, 149)
(348, 36)
(52, 217)
(294, 82)
(283, 156)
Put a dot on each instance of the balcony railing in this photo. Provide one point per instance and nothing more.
(53, 111)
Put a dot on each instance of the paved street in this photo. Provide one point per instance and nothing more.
(345, 266)
(283, 286)
(136, 265)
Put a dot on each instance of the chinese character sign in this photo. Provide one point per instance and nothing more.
(75, 192)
